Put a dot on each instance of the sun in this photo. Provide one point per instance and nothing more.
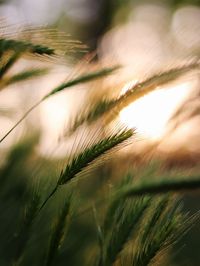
(150, 114)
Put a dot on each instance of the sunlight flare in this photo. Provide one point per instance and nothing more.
(150, 114)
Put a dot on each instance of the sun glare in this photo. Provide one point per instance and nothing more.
(150, 114)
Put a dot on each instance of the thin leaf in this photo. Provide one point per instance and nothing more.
(24, 46)
(158, 207)
(58, 231)
(84, 78)
(24, 234)
(162, 186)
(23, 76)
(115, 203)
(150, 84)
(111, 108)
(11, 61)
(161, 235)
(122, 229)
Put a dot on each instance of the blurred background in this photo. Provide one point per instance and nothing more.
(144, 37)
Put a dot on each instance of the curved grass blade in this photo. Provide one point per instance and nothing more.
(23, 47)
(23, 76)
(100, 236)
(81, 79)
(150, 84)
(115, 203)
(123, 228)
(182, 185)
(90, 155)
(94, 112)
(30, 214)
(10, 62)
(188, 183)
(158, 207)
(111, 108)
(169, 226)
(20, 120)
(58, 232)
(113, 213)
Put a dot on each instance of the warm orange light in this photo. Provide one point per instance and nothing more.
(150, 114)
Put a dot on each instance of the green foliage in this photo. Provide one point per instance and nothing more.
(160, 231)
(148, 224)
(133, 226)
(58, 231)
(30, 212)
(126, 218)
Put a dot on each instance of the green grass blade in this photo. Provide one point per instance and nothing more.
(24, 75)
(187, 183)
(82, 79)
(20, 120)
(127, 221)
(24, 46)
(24, 234)
(158, 207)
(58, 232)
(89, 155)
(111, 108)
(11, 61)
(152, 83)
(90, 115)
(167, 229)
(115, 203)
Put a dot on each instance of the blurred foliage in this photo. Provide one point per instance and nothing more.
(86, 214)
(177, 3)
